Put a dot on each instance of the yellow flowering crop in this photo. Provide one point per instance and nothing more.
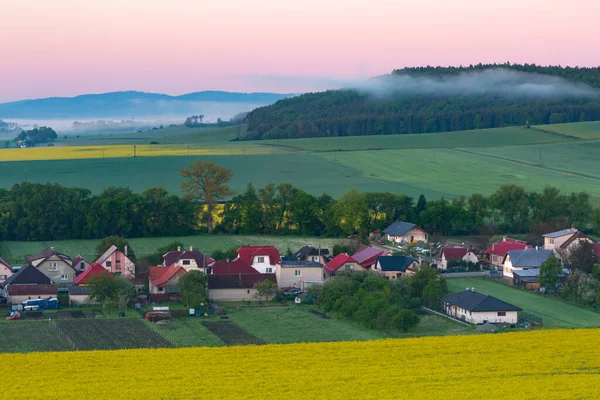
(558, 364)
(121, 151)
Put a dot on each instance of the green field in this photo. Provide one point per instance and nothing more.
(15, 252)
(439, 164)
(554, 313)
(28, 336)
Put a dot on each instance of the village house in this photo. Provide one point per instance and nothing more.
(117, 262)
(405, 232)
(342, 262)
(553, 241)
(5, 270)
(572, 242)
(56, 266)
(26, 284)
(188, 259)
(237, 266)
(456, 253)
(524, 259)
(163, 280)
(90, 272)
(395, 266)
(367, 257)
(263, 258)
(298, 274)
(310, 253)
(79, 264)
(80, 295)
(497, 251)
(235, 287)
(478, 308)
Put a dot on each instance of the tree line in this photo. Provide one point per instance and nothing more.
(30, 211)
(354, 113)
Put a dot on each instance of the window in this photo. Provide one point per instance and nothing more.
(297, 272)
(551, 241)
(117, 267)
(260, 259)
(2, 277)
(53, 266)
(502, 313)
(348, 267)
(109, 264)
(315, 258)
(269, 270)
(186, 262)
(160, 289)
(248, 291)
(64, 277)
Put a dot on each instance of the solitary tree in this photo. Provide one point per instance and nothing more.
(110, 290)
(193, 288)
(549, 272)
(265, 290)
(581, 256)
(207, 183)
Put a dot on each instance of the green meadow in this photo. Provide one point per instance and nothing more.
(437, 165)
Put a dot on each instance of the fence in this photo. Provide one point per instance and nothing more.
(63, 335)
(531, 318)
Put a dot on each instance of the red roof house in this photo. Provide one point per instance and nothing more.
(456, 253)
(498, 251)
(342, 260)
(367, 257)
(164, 279)
(237, 266)
(90, 272)
(262, 258)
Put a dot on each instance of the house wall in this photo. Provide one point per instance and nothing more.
(173, 281)
(5, 272)
(119, 264)
(232, 294)
(414, 235)
(81, 266)
(286, 276)
(496, 260)
(192, 264)
(349, 266)
(395, 274)
(555, 243)
(511, 317)
(18, 299)
(62, 268)
(319, 259)
(507, 268)
(263, 267)
(471, 257)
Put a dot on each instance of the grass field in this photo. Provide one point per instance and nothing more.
(28, 336)
(189, 332)
(440, 164)
(548, 364)
(15, 252)
(554, 313)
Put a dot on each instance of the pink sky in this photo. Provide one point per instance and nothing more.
(69, 47)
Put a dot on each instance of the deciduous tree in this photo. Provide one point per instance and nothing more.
(192, 286)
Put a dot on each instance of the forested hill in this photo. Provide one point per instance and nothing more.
(436, 99)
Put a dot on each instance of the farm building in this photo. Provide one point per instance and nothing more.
(15, 294)
(524, 259)
(263, 258)
(91, 272)
(57, 266)
(310, 253)
(235, 287)
(478, 308)
(80, 295)
(342, 262)
(456, 253)
(395, 266)
(553, 240)
(80, 264)
(117, 262)
(163, 280)
(497, 251)
(292, 273)
(25, 277)
(5, 270)
(405, 232)
(367, 257)
(237, 266)
(188, 259)
(530, 278)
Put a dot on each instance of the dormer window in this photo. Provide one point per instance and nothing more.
(186, 262)
(260, 259)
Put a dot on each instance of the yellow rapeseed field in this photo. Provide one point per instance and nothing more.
(558, 364)
(121, 151)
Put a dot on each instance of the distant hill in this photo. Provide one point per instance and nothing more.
(436, 99)
(130, 103)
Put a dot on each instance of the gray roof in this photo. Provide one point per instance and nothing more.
(472, 300)
(398, 228)
(534, 272)
(395, 263)
(532, 258)
(560, 233)
(308, 251)
(303, 264)
(79, 290)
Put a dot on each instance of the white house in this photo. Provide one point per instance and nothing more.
(405, 232)
(189, 259)
(553, 241)
(293, 273)
(262, 258)
(524, 259)
(478, 308)
(456, 253)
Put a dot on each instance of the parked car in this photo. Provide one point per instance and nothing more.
(381, 242)
(292, 292)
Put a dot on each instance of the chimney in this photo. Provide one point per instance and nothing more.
(493, 246)
(52, 248)
(178, 248)
(472, 289)
(191, 248)
(504, 238)
(125, 250)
